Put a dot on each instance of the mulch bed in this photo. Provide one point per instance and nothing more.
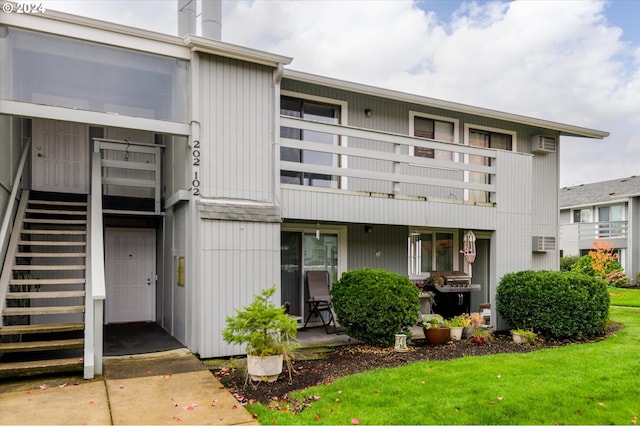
(356, 358)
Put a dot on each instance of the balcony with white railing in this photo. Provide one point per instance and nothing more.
(588, 232)
(325, 178)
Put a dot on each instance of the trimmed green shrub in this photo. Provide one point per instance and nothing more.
(373, 305)
(554, 304)
(567, 262)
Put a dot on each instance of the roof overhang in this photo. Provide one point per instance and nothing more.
(218, 48)
(563, 129)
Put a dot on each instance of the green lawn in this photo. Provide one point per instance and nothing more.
(624, 297)
(594, 383)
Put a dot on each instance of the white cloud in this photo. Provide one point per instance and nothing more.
(559, 60)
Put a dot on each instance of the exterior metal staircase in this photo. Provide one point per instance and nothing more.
(43, 310)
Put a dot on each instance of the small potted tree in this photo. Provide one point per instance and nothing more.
(267, 331)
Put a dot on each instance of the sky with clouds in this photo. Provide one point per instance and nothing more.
(574, 61)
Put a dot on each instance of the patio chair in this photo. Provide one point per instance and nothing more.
(319, 299)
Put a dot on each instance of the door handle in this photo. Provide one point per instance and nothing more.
(148, 281)
(40, 155)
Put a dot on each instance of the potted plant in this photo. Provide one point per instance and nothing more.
(435, 330)
(482, 334)
(521, 336)
(457, 324)
(267, 331)
(435, 279)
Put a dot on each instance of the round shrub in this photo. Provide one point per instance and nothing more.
(555, 304)
(373, 305)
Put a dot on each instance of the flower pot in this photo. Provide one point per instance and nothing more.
(467, 332)
(437, 335)
(456, 333)
(519, 338)
(264, 368)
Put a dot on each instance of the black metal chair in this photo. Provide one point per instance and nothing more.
(320, 299)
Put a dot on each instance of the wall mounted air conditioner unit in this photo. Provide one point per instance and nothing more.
(543, 244)
(543, 144)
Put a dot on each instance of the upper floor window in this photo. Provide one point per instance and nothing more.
(582, 215)
(611, 213)
(490, 139)
(63, 72)
(436, 128)
(485, 138)
(315, 110)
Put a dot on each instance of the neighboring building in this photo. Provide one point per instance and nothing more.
(609, 210)
(212, 172)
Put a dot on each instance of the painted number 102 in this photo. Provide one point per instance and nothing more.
(195, 155)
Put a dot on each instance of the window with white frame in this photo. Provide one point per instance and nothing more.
(435, 128)
(315, 110)
(581, 215)
(613, 216)
(613, 213)
(432, 251)
(485, 137)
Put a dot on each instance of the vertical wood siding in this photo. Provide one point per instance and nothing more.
(237, 129)
(236, 261)
(385, 247)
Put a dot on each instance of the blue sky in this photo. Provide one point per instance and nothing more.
(571, 61)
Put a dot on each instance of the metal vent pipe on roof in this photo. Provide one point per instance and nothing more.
(211, 19)
(187, 14)
(200, 17)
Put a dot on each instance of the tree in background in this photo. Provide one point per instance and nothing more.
(602, 263)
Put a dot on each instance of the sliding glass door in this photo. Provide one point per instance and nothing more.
(301, 252)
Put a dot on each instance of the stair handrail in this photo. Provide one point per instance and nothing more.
(95, 286)
(8, 214)
(7, 268)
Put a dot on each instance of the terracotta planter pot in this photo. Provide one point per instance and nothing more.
(264, 368)
(437, 335)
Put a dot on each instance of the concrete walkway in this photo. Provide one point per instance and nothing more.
(166, 388)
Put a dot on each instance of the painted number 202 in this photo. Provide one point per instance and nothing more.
(195, 154)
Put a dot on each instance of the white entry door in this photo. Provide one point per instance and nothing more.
(60, 157)
(130, 269)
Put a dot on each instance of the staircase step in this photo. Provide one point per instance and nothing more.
(53, 232)
(43, 310)
(48, 366)
(41, 328)
(28, 254)
(57, 221)
(45, 294)
(48, 267)
(44, 345)
(47, 281)
(52, 243)
(58, 212)
(58, 203)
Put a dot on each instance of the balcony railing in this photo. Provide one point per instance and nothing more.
(380, 162)
(130, 169)
(593, 230)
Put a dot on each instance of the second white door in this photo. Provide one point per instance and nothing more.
(130, 269)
